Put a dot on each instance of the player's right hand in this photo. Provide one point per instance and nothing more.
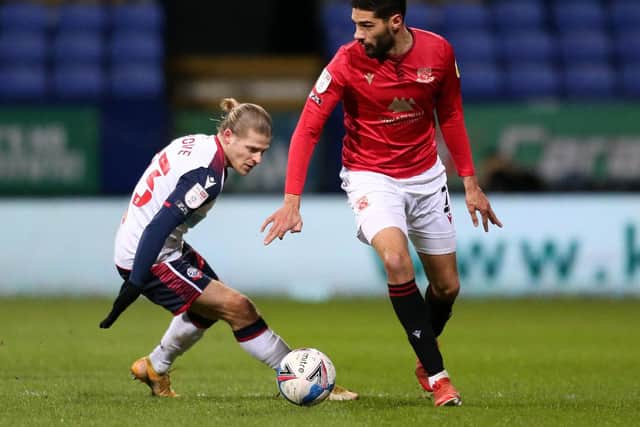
(128, 294)
(285, 219)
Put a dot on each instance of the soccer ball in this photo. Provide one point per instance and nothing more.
(306, 376)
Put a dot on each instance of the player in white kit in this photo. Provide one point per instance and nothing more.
(176, 191)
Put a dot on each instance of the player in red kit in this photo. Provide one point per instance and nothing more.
(393, 82)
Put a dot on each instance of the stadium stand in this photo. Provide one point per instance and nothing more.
(22, 47)
(137, 80)
(85, 17)
(147, 16)
(542, 81)
(23, 83)
(81, 51)
(83, 46)
(578, 15)
(550, 49)
(526, 47)
(460, 16)
(25, 16)
(625, 14)
(79, 82)
(589, 81)
(515, 16)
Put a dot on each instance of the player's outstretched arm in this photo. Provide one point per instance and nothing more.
(477, 201)
(287, 218)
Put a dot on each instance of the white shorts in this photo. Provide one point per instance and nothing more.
(420, 206)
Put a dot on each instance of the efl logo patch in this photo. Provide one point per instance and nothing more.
(323, 81)
(196, 196)
(315, 98)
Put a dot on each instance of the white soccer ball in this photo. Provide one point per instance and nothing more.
(306, 376)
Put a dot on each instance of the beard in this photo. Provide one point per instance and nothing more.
(383, 44)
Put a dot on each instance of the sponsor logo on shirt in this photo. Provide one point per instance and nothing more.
(401, 105)
(196, 196)
(425, 75)
(322, 84)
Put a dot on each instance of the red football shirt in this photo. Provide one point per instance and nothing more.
(389, 111)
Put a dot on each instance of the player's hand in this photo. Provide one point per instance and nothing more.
(285, 219)
(128, 294)
(477, 201)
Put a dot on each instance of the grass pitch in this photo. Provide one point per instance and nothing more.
(515, 362)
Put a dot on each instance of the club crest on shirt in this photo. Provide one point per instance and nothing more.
(425, 75)
(194, 273)
(195, 197)
(322, 84)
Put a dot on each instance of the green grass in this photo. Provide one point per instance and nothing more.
(516, 363)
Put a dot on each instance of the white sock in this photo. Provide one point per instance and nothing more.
(267, 347)
(434, 378)
(179, 337)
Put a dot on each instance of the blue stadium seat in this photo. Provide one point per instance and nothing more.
(473, 46)
(574, 15)
(518, 15)
(79, 82)
(585, 47)
(148, 16)
(424, 16)
(627, 46)
(23, 83)
(532, 81)
(138, 81)
(336, 25)
(481, 82)
(24, 17)
(625, 14)
(78, 47)
(589, 81)
(81, 17)
(527, 47)
(136, 46)
(457, 17)
(629, 81)
(22, 47)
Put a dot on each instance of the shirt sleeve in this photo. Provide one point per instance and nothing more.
(323, 98)
(451, 117)
(193, 190)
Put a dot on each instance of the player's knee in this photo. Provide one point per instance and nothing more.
(397, 264)
(446, 290)
(241, 308)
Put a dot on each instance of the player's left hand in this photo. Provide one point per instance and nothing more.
(477, 201)
(128, 294)
(286, 219)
